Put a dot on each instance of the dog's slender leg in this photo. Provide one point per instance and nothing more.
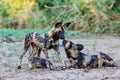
(30, 49)
(39, 52)
(50, 66)
(26, 46)
(35, 50)
(100, 60)
(21, 57)
(56, 49)
(100, 63)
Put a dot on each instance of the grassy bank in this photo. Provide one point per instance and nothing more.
(20, 33)
(91, 16)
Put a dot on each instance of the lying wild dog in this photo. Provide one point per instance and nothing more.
(38, 62)
(81, 60)
(38, 43)
(71, 50)
(94, 61)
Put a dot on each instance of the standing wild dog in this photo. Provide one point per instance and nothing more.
(36, 41)
(54, 35)
(81, 60)
(39, 43)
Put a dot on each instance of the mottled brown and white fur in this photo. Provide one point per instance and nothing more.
(38, 43)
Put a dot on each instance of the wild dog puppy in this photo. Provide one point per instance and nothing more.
(71, 50)
(38, 62)
(38, 43)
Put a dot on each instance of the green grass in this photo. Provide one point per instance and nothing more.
(19, 34)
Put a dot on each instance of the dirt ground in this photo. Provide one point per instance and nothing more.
(9, 53)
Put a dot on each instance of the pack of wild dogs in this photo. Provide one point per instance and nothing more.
(50, 40)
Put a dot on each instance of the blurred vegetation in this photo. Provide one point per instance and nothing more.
(95, 16)
(19, 34)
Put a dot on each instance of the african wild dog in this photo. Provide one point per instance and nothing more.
(38, 43)
(82, 60)
(54, 35)
(38, 62)
(94, 61)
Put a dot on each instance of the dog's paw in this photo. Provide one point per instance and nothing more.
(19, 67)
(86, 70)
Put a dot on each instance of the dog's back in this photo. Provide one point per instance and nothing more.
(38, 62)
(86, 61)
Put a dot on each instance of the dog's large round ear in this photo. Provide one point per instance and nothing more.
(66, 24)
(58, 24)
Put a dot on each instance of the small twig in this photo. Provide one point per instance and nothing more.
(59, 15)
(75, 21)
(55, 7)
(66, 10)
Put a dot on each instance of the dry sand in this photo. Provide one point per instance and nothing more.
(9, 53)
